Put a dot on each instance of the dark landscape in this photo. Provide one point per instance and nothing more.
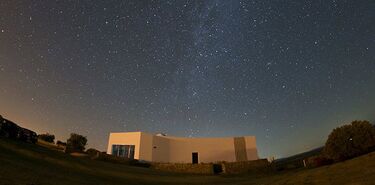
(23, 163)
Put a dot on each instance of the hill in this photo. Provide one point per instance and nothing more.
(25, 163)
(301, 156)
(296, 161)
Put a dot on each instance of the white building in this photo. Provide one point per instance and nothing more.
(160, 148)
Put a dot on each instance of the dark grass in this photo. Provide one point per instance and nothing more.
(23, 163)
(29, 164)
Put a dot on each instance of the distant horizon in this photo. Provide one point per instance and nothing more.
(105, 147)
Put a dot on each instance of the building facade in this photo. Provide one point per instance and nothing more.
(160, 148)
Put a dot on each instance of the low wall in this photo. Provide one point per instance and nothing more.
(316, 161)
(256, 166)
(184, 168)
(117, 160)
(261, 165)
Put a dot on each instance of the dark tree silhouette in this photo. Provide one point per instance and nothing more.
(349, 141)
(47, 137)
(76, 143)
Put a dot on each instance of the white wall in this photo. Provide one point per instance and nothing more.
(150, 147)
(251, 148)
(161, 149)
(125, 138)
(146, 147)
(209, 149)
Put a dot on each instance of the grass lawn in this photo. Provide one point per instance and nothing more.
(28, 164)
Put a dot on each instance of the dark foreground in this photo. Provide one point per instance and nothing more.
(29, 164)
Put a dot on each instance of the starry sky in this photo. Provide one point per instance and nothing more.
(287, 72)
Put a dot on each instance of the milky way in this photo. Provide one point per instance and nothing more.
(287, 72)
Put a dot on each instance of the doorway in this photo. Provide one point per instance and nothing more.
(195, 157)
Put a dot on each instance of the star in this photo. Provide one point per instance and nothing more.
(202, 69)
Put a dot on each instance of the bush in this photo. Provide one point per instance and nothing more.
(349, 141)
(9, 129)
(76, 143)
(102, 156)
(60, 143)
(47, 137)
(93, 153)
(27, 135)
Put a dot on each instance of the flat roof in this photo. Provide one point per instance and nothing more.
(175, 137)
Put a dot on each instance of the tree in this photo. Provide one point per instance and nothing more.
(60, 143)
(76, 143)
(47, 137)
(349, 141)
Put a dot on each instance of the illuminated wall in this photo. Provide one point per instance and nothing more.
(155, 148)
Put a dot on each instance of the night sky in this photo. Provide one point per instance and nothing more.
(287, 72)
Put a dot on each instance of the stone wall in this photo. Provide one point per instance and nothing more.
(184, 168)
(261, 165)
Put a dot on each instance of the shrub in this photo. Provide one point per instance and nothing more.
(27, 135)
(60, 143)
(47, 137)
(76, 143)
(93, 153)
(102, 156)
(349, 141)
(9, 129)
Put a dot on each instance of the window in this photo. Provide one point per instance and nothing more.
(123, 151)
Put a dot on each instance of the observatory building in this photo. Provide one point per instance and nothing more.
(162, 148)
